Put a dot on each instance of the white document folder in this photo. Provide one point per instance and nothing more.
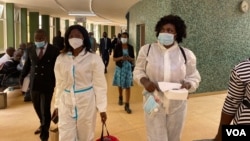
(173, 91)
(180, 94)
(165, 86)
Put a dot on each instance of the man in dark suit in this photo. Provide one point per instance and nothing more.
(116, 41)
(40, 63)
(105, 49)
(58, 40)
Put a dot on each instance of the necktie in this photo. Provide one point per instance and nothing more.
(40, 55)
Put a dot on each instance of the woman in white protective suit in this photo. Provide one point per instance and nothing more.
(165, 61)
(81, 87)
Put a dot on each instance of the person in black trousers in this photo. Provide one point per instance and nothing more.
(105, 49)
(40, 63)
(58, 40)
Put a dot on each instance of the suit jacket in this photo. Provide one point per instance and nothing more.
(58, 42)
(42, 77)
(102, 46)
(114, 43)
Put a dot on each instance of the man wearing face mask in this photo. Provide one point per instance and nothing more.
(165, 61)
(105, 49)
(123, 79)
(40, 63)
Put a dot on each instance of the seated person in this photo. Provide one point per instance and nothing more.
(9, 72)
(7, 56)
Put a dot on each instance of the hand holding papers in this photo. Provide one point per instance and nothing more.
(173, 91)
(180, 94)
(166, 86)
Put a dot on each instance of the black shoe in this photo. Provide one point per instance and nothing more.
(38, 131)
(120, 102)
(27, 99)
(127, 109)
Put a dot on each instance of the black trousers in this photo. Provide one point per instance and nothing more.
(42, 103)
(105, 58)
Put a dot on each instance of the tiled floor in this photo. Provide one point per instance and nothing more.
(18, 121)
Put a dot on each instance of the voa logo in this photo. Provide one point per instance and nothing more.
(236, 132)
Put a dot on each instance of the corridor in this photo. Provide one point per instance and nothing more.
(18, 121)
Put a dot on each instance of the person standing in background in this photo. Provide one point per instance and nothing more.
(166, 61)
(25, 85)
(92, 42)
(105, 49)
(26, 81)
(124, 58)
(81, 87)
(113, 42)
(58, 40)
(22, 47)
(116, 40)
(40, 63)
(119, 38)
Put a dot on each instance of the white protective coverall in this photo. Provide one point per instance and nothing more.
(81, 90)
(166, 65)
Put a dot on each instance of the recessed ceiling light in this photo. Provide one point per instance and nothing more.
(81, 13)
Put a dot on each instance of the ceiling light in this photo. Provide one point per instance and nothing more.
(81, 13)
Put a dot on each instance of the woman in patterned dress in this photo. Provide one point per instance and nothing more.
(124, 58)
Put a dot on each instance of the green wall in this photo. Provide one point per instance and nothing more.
(2, 36)
(66, 24)
(33, 24)
(217, 32)
(24, 23)
(46, 26)
(58, 27)
(10, 25)
(112, 31)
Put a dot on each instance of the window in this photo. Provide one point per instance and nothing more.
(17, 25)
(2, 29)
(1, 11)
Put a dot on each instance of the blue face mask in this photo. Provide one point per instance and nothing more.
(166, 39)
(150, 105)
(40, 44)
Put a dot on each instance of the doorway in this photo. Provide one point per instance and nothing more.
(140, 37)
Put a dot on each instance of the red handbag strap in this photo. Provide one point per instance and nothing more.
(104, 124)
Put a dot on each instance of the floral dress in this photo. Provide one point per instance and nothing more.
(123, 76)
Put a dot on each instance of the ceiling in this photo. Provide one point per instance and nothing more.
(109, 12)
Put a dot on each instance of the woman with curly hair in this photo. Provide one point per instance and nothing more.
(81, 88)
(166, 61)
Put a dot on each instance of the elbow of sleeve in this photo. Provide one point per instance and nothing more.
(194, 86)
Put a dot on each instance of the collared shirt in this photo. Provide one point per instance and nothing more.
(39, 49)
